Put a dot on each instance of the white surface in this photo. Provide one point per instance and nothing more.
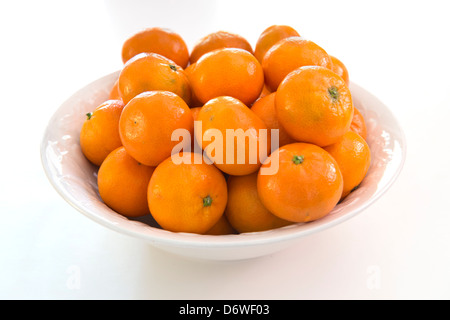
(397, 249)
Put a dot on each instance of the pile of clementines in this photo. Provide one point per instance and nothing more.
(225, 138)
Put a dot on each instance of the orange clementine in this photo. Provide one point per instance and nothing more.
(244, 211)
(151, 71)
(122, 183)
(195, 111)
(265, 91)
(314, 105)
(289, 54)
(218, 40)
(270, 36)
(307, 185)
(352, 154)
(340, 69)
(157, 40)
(114, 94)
(227, 72)
(194, 102)
(221, 227)
(187, 197)
(358, 124)
(265, 109)
(100, 131)
(148, 122)
(235, 140)
(195, 147)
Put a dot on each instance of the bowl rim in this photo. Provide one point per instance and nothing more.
(181, 239)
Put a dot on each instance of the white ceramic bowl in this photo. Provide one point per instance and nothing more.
(76, 181)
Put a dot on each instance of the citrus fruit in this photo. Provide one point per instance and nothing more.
(227, 72)
(352, 154)
(157, 40)
(114, 94)
(289, 54)
(358, 124)
(187, 197)
(218, 40)
(194, 101)
(100, 131)
(307, 185)
(314, 105)
(151, 71)
(270, 36)
(244, 211)
(264, 108)
(122, 183)
(340, 69)
(221, 227)
(231, 136)
(148, 122)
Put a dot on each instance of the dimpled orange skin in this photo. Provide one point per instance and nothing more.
(264, 108)
(114, 94)
(151, 71)
(187, 197)
(194, 102)
(227, 113)
(314, 105)
(265, 91)
(358, 124)
(100, 131)
(122, 183)
(147, 123)
(218, 40)
(307, 185)
(222, 227)
(340, 69)
(244, 211)
(270, 36)
(195, 111)
(352, 154)
(227, 72)
(289, 54)
(194, 145)
(158, 40)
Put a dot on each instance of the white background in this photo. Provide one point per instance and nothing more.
(396, 249)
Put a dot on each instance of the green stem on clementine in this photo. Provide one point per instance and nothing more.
(298, 159)
(207, 201)
(89, 115)
(174, 68)
(334, 93)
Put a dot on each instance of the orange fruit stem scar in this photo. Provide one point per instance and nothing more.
(207, 201)
(333, 91)
(298, 159)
